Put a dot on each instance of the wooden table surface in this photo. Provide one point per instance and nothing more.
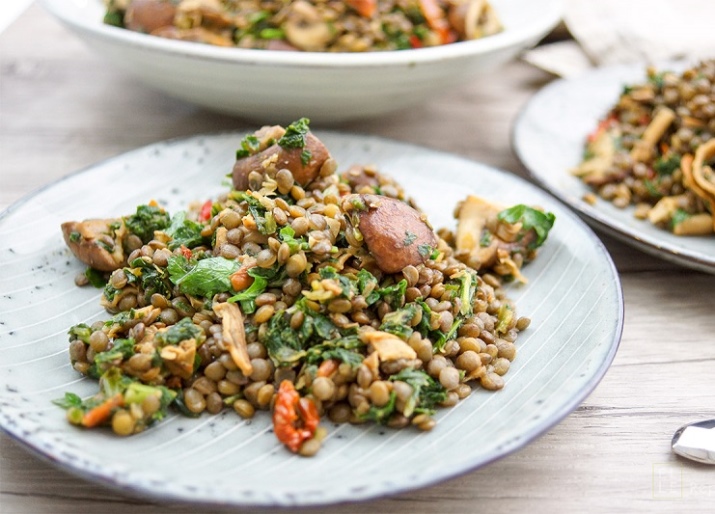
(62, 108)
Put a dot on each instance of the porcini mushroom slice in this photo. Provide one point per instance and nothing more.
(389, 347)
(643, 148)
(395, 234)
(234, 335)
(96, 242)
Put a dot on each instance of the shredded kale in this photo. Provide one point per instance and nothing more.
(184, 232)
(264, 219)
(381, 415)
(181, 331)
(531, 219)
(427, 393)
(398, 322)
(151, 277)
(146, 220)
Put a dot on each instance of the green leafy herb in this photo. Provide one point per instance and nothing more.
(96, 278)
(181, 331)
(271, 33)
(486, 239)
(305, 156)
(151, 277)
(264, 219)
(679, 216)
(114, 18)
(68, 401)
(345, 349)
(381, 415)
(531, 219)
(467, 290)
(146, 220)
(652, 188)
(427, 393)
(394, 295)
(657, 80)
(398, 322)
(409, 238)
(137, 392)
(287, 235)
(349, 288)
(295, 135)
(666, 166)
(205, 277)
(120, 350)
(249, 146)
(262, 277)
(443, 338)
(75, 236)
(80, 331)
(184, 232)
(505, 317)
(427, 252)
(367, 285)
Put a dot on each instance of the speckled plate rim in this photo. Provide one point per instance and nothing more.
(468, 465)
(551, 14)
(598, 218)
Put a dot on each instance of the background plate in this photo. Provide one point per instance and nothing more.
(548, 139)
(573, 298)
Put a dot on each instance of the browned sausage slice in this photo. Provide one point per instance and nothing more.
(395, 233)
(149, 15)
(277, 157)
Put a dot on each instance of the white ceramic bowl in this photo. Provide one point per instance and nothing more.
(272, 86)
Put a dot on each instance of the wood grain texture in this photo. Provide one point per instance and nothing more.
(62, 108)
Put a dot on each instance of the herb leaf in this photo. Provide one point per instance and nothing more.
(295, 135)
(184, 232)
(531, 219)
(205, 277)
(146, 220)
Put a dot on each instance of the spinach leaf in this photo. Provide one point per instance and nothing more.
(151, 277)
(398, 322)
(427, 393)
(264, 219)
(382, 414)
(666, 166)
(68, 401)
(96, 278)
(181, 331)
(205, 277)
(121, 350)
(80, 331)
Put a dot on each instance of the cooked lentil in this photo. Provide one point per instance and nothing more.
(655, 149)
(200, 330)
(308, 25)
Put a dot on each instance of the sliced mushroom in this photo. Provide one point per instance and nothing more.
(473, 19)
(388, 346)
(149, 15)
(234, 335)
(395, 234)
(195, 35)
(696, 176)
(305, 28)
(695, 225)
(643, 149)
(179, 359)
(596, 170)
(97, 242)
(192, 13)
(276, 157)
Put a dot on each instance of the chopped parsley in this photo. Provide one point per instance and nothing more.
(295, 136)
(531, 219)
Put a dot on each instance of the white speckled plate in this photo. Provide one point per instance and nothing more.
(573, 297)
(549, 137)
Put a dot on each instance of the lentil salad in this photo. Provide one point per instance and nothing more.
(279, 295)
(655, 149)
(309, 25)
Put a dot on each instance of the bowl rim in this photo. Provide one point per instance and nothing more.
(550, 15)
